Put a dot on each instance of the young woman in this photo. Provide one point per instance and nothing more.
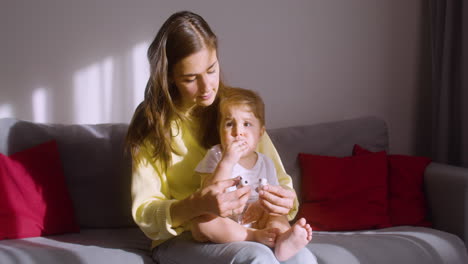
(169, 135)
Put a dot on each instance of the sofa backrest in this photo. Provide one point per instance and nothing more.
(98, 173)
(328, 139)
(96, 170)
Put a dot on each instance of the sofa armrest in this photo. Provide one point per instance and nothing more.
(446, 189)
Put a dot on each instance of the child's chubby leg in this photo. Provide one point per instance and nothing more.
(291, 238)
(224, 230)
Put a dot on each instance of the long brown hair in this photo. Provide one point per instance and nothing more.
(183, 34)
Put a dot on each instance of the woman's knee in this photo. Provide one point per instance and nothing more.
(198, 236)
(197, 230)
(255, 253)
(303, 256)
(205, 226)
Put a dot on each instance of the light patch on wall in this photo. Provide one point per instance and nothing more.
(39, 105)
(107, 77)
(140, 72)
(93, 93)
(6, 110)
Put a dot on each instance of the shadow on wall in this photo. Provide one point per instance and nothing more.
(75, 62)
(100, 90)
(103, 92)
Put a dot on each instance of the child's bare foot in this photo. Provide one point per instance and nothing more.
(266, 236)
(293, 240)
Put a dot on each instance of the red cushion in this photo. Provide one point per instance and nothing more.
(34, 198)
(407, 202)
(340, 194)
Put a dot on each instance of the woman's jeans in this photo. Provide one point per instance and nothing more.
(184, 249)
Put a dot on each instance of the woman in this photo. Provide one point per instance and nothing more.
(170, 133)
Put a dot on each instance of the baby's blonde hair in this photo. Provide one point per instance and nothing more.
(242, 97)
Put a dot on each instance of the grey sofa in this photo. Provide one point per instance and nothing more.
(98, 177)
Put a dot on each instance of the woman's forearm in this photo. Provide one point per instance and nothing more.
(184, 210)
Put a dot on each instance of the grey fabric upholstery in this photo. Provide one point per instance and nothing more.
(447, 195)
(98, 175)
(402, 245)
(96, 170)
(329, 139)
(122, 245)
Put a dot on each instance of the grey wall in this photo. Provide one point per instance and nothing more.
(312, 60)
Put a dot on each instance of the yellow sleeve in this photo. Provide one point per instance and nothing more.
(151, 205)
(266, 147)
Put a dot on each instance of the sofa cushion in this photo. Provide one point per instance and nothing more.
(346, 193)
(34, 200)
(407, 203)
(97, 172)
(402, 245)
(116, 245)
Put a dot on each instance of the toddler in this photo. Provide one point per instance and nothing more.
(241, 125)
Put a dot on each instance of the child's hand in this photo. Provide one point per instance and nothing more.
(235, 151)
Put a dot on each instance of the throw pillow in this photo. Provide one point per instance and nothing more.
(341, 194)
(407, 202)
(34, 199)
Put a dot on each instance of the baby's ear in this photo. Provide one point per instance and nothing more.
(262, 131)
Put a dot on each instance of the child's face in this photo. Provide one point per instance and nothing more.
(239, 123)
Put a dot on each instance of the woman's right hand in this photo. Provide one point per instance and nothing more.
(213, 199)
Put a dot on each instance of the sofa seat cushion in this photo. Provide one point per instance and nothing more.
(126, 245)
(402, 245)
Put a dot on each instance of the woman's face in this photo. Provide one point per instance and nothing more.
(197, 78)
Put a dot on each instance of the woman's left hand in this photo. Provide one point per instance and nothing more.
(276, 199)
